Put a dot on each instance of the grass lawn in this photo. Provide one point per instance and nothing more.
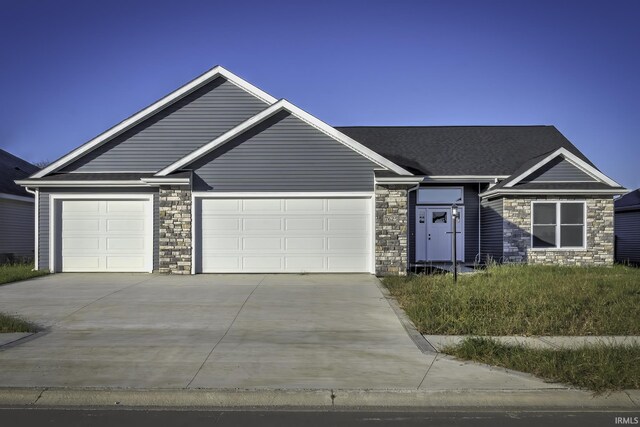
(523, 300)
(15, 272)
(599, 368)
(15, 324)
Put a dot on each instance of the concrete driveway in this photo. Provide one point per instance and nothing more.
(223, 331)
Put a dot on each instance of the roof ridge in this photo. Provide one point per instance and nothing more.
(444, 126)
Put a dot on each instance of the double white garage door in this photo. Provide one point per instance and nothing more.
(231, 235)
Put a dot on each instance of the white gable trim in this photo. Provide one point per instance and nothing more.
(153, 109)
(283, 104)
(571, 158)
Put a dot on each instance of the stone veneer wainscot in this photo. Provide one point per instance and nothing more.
(391, 229)
(175, 230)
(517, 233)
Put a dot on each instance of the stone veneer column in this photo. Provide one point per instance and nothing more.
(391, 229)
(175, 230)
(517, 234)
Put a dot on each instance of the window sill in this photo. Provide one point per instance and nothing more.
(556, 249)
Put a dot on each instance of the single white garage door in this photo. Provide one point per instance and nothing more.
(291, 235)
(104, 235)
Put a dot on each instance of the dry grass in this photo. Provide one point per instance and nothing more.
(599, 368)
(524, 300)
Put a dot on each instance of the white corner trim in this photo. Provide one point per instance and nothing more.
(283, 104)
(54, 197)
(18, 198)
(571, 158)
(194, 84)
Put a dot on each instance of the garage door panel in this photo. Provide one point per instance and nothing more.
(81, 226)
(358, 244)
(125, 225)
(302, 264)
(126, 263)
(262, 263)
(262, 205)
(262, 224)
(346, 263)
(81, 243)
(347, 224)
(304, 243)
(284, 235)
(262, 243)
(123, 206)
(80, 263)
(104, 235)
(304, 224)
(125, 244)
(221, 263)
(304, 206)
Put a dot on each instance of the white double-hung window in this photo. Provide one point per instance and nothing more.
(560, 225)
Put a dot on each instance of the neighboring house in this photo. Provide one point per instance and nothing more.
(627, 226)
(219, 176)
(16, 210)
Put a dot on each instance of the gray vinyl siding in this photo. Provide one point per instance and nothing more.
(43, 220)
(492, 229)
(627, 230)
(471, 218)
(17, 227)
(559, 170)
(174, 132)
(283, 154)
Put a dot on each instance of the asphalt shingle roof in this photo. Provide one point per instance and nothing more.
(461, 150)
(12, 168)
(629, 200)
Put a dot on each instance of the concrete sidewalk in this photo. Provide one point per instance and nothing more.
(540, 342)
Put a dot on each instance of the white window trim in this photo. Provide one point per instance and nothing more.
(54, 197)
(558, 226)
(430, 187)
(199, 195)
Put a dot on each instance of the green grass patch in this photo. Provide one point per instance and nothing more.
(15, 272)
(15, 324)
(599, 368)
(523, 300)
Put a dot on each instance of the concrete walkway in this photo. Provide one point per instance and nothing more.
(286, 332)
(541, 342)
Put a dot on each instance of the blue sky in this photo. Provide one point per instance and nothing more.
(72, 69)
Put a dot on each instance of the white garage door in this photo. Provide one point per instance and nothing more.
(104, 235)
(285, 235)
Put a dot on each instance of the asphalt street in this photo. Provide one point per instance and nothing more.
(308, 418)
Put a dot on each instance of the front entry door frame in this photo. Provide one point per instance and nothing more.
(433, 240)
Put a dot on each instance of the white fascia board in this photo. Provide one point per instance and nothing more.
(194, 84)
(571, 158)
(463, 178)
(408, 180)
(166, 181)
(7, 196)
(43, 183)
(501, 192)
(283, 104)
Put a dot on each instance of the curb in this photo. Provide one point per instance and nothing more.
(328, 399)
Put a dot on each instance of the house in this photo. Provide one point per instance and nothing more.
(627, 227)
(219, 176)
(16, 210)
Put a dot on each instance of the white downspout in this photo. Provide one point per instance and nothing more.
(36, 195)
